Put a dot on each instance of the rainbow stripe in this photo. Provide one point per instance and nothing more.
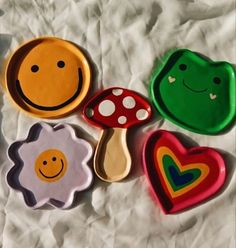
(179, 178)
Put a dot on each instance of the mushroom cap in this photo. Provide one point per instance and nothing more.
(117, 108)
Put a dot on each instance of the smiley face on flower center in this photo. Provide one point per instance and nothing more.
(51, 165)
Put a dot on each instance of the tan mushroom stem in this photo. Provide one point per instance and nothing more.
(112, 161)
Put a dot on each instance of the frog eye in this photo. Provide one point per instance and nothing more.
(182, 67)
(216, 80)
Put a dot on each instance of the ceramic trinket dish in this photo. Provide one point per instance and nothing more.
(181, 177)
(194, 92)
(115, 110)
(48, 77)
(50, 165)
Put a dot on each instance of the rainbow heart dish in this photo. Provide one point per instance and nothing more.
(181, 177)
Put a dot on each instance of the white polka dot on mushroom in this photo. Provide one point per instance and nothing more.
(89, 112)
(129, 102)
(117, 92)
(106, 108)
(122, 120)
(142, 114)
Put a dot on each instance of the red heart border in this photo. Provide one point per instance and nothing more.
(207, 188)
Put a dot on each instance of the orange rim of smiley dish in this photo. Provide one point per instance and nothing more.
(48, 77)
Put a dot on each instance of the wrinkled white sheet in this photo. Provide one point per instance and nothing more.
(123, 39)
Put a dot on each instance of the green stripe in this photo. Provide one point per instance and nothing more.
(167, 162)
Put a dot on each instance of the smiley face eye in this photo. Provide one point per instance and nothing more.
(216, 80)
(54, 159)
(60, 64)
(34, 68)
(44, 162)
(182, 67)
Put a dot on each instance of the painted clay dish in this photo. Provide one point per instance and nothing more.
(115, 110)
(194, 92)
(181, 177)
(48, 77)
(50, 165)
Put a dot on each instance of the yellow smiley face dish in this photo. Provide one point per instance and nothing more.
(48, 77)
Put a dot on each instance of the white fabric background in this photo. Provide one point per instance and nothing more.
(123, 39)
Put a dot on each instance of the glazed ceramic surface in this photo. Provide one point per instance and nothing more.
(194, 92)
(180, 177)
(50, 165)
(48, 77)
(115, 110)
(117, 107)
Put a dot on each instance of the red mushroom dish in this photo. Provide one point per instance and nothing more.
(115, 110)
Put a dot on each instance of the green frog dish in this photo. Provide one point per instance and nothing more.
(194, 92)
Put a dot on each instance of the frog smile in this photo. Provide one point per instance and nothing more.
(194, 90)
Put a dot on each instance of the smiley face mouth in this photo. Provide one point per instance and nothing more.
(46, 108)
(196, 91)
(50, 177)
